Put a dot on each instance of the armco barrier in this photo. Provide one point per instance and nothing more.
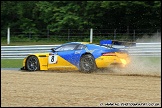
(20, 52)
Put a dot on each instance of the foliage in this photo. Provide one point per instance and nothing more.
(34, 16)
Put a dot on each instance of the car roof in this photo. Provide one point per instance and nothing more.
(80, 42)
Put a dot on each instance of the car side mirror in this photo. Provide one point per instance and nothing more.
(53, 49)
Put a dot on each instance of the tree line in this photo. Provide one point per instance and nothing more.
(36, 16)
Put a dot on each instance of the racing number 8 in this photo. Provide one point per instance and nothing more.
(52, 59)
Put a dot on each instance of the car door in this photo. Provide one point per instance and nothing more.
(62, 57)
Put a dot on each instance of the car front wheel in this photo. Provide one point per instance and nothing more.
(32, 63)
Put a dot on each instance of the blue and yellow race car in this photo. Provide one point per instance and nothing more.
(81, 56)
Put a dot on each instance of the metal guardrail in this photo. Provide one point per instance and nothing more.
(20, 52)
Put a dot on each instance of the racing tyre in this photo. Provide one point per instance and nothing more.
(87, 63)
(32, 63)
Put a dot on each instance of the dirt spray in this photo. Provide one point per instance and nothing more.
(140, 65)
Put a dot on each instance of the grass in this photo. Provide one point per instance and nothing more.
(154, 60)
(30, 43)
(18, 42)
(11, 63)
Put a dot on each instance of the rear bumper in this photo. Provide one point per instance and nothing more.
(105, 61)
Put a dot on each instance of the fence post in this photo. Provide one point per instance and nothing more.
(114, 34)
(91, 35)
(29, 34)
(8, 36)
(48, 34)
(127, 31)
(157, 32)
(133, 35)
(68, 34)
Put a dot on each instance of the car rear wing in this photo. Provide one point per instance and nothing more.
(115, 42)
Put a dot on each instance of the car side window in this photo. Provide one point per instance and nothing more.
(66, 47)
(81, 46)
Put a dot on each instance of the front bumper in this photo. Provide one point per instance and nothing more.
(23, 68)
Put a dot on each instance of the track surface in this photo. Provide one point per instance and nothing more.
(19, 88)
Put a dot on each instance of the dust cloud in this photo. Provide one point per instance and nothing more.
(136, 67)
(141, 66)
(150, 66)
(156, 37)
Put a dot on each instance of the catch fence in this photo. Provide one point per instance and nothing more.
(68, 35)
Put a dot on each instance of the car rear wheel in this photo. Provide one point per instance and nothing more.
(87, 63)
(32, 63)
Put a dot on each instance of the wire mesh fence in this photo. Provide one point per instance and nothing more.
(19, 35)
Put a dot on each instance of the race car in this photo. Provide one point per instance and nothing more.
(82, 56)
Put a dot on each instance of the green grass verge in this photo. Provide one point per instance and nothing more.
(151, 60)
(18, 42)
(11, 63)
(30, 43)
